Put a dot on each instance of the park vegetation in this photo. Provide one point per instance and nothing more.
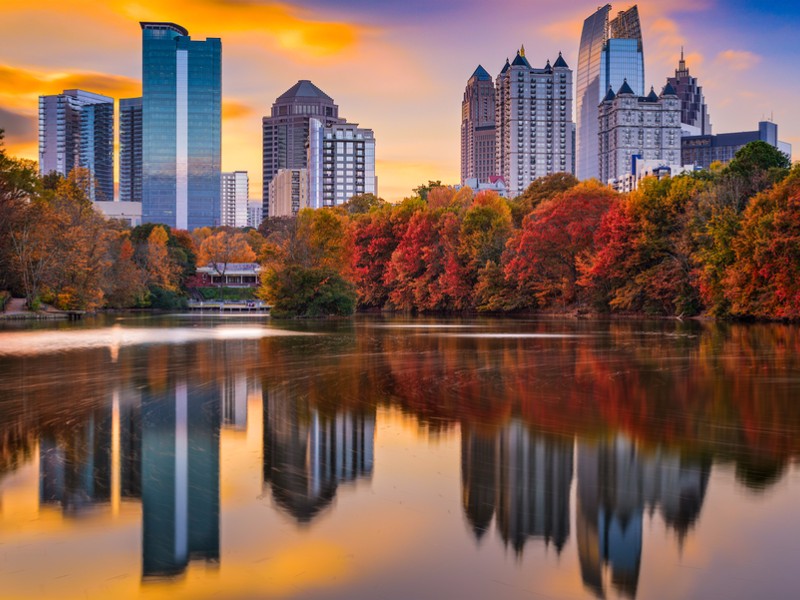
(723, 243)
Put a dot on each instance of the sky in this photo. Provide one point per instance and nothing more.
(398, 68)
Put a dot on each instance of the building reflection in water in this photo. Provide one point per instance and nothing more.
(522, 480)
(615, 485)
(521, 477)
(75, 464)
(180, 478)
(168, 456)
(308, 452)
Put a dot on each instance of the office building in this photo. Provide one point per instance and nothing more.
(534, 121)
(341, 163)
(694, 112)
(254, 213)
(703, 150)
(632, 126)
(610, 52)
(234, 192)
(76, 130)
(288, 191)
(478, 128)
(285, 131)
(181, 122)
(130, 150)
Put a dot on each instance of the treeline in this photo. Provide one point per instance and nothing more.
(724, 242)
(56, 249)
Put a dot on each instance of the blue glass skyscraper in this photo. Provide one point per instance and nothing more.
(181, 123)
(610, 52)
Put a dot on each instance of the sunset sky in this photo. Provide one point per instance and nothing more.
(398, 68)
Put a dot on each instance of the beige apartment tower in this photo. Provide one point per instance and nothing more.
(478, 128)
(288, 192)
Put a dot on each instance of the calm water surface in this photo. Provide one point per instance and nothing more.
(188, 457)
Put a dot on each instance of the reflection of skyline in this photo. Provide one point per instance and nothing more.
(180, 478)
(615, 484)
(308, 453)
(75, 464)
(520, 477)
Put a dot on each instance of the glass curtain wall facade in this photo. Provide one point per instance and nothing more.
(130, 150)
(76, 130)
(610, 53)
(181, 148)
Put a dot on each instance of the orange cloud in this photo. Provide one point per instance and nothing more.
(291, 28)
(232, 109)
(738, 60)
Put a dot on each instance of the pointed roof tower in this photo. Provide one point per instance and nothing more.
(625, 89)
(304, 89)
(481, 74)
(668, 90)
(610, 95)
(520, 60)
(506, 67)
(560, 63)
(652, 97)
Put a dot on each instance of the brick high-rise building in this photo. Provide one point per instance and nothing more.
(478, 128)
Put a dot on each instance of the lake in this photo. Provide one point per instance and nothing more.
(191, 456)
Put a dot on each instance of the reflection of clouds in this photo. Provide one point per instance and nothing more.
(44, 342)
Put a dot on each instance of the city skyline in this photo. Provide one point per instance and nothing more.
(380, 64)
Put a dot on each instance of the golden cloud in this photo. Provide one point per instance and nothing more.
(738, 60)
(233, 109)
(290, 27)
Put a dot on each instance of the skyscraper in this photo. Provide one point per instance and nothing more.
(130, 150)
(478, 128)
(76, 130)
(285, 131)
(534, 121)
(341, 163)
(610, 53)
(694, 112)
(234, 192)
(181, 122)
(631, 126)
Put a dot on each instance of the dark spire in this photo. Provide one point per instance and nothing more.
(625, 89)
(481, 74)
(560, 63)
(652, 97)
(505, 67)
(668, 90)
(609, 95)
(520, 60)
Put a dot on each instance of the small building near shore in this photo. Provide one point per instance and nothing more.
(228, 274)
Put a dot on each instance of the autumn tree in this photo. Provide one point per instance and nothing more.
(763, 281)
(307, 266)
(18, 184)
(362, 204)
(162, 272)
(539, 190)
(542, 259)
